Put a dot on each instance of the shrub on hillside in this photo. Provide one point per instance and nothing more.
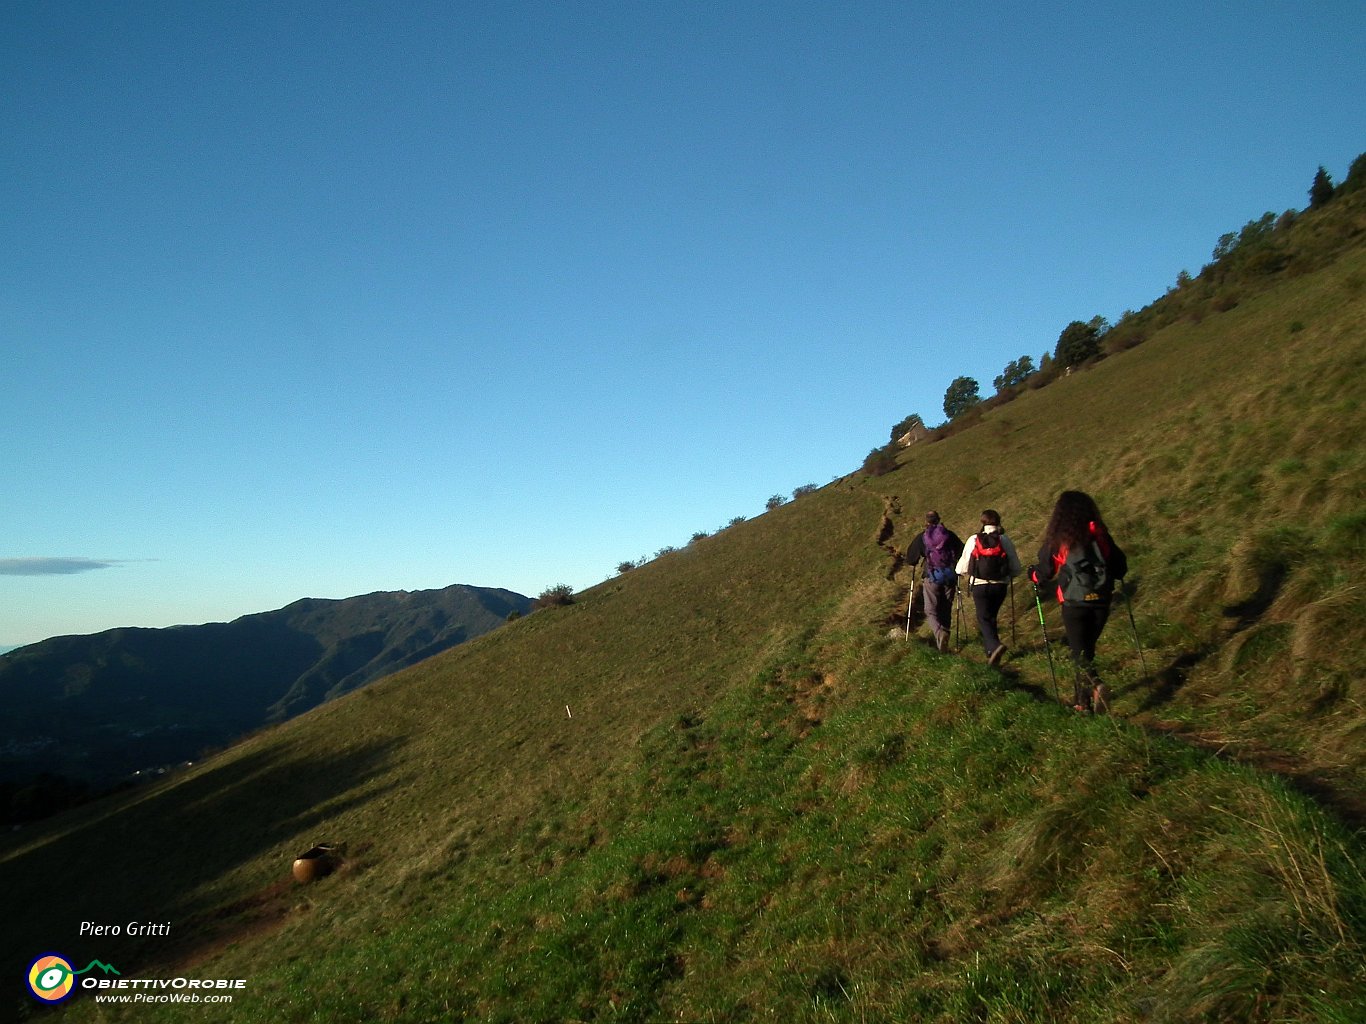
(1356, 176)
(1045, 374)
(970, 418)
(1123, 338)
(558, 596)
(1017, 371)
(1266, 260)
(777, 501)
(880, 461)
(1251, 250)
(804, 490)
(996, 401)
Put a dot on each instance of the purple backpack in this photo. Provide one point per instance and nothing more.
(939, 554)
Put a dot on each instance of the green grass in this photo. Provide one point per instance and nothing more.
(980, 860)
(713, 788)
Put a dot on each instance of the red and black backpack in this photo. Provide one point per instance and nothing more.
(989, 561)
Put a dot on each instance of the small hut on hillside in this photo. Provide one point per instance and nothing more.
(916, 433)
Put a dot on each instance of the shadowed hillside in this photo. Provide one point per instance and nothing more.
(96, 708)
(716, 788)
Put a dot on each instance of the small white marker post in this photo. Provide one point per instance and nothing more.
(568, 712)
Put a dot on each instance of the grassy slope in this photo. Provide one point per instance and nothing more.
(763, 807)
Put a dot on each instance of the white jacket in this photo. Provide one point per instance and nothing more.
(1013, 567)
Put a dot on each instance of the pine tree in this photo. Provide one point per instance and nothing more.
(1321, 190)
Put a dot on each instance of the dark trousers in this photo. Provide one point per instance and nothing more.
(938, 606)
(1083, 625)
(988, 598)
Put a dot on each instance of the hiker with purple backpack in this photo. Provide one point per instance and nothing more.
(938, 547)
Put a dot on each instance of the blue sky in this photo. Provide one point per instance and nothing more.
(322, 299)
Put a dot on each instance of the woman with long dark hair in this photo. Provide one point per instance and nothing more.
(1080, 561)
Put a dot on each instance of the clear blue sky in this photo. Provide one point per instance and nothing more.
(321, 299)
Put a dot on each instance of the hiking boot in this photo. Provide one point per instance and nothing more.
(941, 641)
(1100, 698)
(996, 655)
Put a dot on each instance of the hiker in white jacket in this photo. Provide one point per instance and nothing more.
(989, 562)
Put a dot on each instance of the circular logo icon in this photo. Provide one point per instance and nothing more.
(51, 978)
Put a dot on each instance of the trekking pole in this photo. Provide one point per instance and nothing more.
(910, 601)
(958, 621)
(1129, 604)
(1047, 648)
(1013, 641)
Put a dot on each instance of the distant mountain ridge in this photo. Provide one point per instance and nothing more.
(101, 706)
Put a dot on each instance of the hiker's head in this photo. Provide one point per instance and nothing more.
(990, 517)
(1078, 505)
(1072, 518)
(931, 518)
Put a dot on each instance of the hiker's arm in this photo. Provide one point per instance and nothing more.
(964, 561)
(1043, 571)
(1013, 566)
(957, 543)
(1118, 562)
(916, 551)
